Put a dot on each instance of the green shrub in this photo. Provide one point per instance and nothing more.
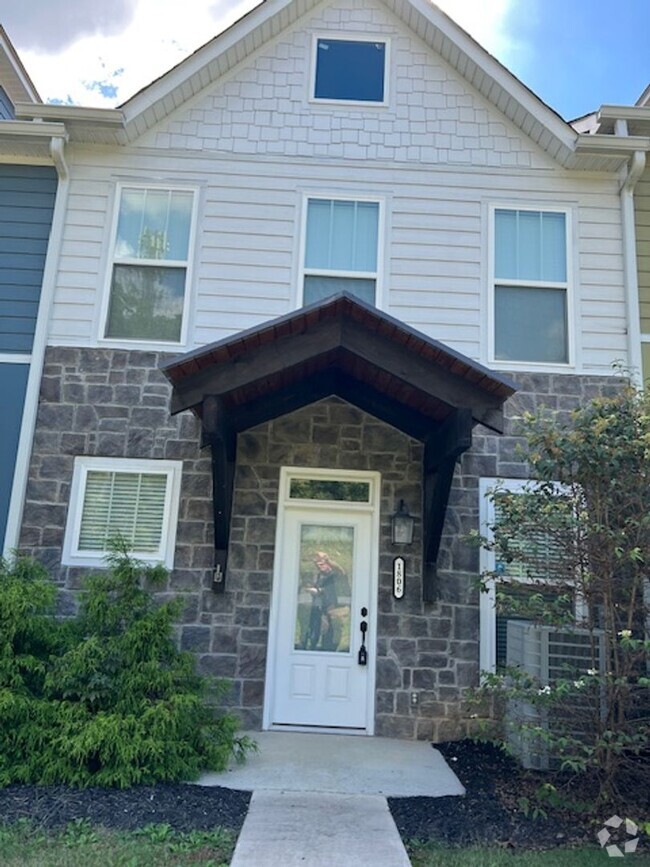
(104, 698)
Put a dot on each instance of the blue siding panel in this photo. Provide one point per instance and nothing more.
(6, 106)
(13, 383)
(26, 204)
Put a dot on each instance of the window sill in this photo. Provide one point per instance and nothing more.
(145, 345)
(348, 103)
(531, 366)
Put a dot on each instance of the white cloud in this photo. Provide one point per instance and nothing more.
(486, 21)
(161, 34)
(105, 70)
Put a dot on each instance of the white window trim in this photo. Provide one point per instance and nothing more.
(568, 286)
(377, 275)
(72, 556)
(349, 37)
(289, 474)
(487, 563)
(129, 343)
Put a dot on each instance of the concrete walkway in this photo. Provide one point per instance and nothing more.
(320, 800)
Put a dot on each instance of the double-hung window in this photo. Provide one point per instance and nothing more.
(530, 285)
(341, 249)
(151, 263)
(135, 501)
(350, 70)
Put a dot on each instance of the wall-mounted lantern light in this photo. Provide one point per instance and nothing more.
(402, 525)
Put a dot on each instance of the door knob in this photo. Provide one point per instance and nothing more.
(363, 653)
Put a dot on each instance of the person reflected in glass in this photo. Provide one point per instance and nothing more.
(324, 600)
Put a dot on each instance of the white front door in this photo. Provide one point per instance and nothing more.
(322, 647)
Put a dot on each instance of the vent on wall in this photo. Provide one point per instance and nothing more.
(550, 654)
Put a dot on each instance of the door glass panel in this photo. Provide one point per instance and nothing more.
(324, 588)
(326, 489)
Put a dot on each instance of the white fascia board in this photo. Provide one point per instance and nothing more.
(624, 112)
(612, 144)
(179, 74)
(27, 129)
(69, 114)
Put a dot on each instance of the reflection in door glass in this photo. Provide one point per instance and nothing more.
(324, 591)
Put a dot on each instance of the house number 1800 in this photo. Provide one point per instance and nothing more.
(399, 574)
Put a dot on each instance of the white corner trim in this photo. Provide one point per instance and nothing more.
(23, 454)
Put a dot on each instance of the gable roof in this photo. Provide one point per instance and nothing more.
(338, 346)
(154, 103)
(266, 21)
(13, 76)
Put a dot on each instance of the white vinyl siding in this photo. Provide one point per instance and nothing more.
(431, 272)
(436, 157)
(133, 500)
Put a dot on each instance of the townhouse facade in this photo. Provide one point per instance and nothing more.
(301, 289)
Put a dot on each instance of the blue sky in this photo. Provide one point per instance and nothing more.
(574, 54)
(580, 54)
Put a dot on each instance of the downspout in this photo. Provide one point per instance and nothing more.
(23, 454)
(635, 169)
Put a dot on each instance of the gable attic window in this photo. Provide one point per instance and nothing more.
(134, 500)
(150, 271)
(350, 70)
(341, 240)
(530, 286)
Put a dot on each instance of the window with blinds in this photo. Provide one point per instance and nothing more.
(530, 285)
(133, 501)
(128, 505)
(540, 573)
(341, 249)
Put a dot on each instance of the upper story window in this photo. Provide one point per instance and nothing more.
(150, 269)
(531, 286)
(350, 70)
(341, 249)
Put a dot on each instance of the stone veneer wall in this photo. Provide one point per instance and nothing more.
(116, 403)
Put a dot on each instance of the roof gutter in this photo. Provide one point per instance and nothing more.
(633, 172)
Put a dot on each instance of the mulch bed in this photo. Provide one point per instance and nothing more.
(182, 806)
(490, 812)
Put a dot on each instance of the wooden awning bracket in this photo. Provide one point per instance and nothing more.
(222, 440)
(441, 451)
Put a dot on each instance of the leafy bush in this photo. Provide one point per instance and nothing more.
(104, 698)
(590, 506)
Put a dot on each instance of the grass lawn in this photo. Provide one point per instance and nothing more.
(437, 856)
(79, 844)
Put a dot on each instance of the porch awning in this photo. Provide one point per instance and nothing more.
(340, 346)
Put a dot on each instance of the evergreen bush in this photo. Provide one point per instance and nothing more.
(106, 697)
